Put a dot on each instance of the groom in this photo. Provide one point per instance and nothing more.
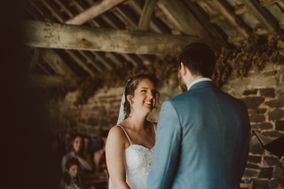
(203, 134)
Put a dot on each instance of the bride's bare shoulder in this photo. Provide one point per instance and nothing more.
(115, 131)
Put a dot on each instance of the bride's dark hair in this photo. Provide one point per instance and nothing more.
(132, 84)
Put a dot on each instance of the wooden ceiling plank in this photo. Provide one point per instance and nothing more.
(56, 62)
(94, 11)
(97, 55)
(268, 25)
(130, 59)
(266, 16)
(102, 60)
(53, 35)
(125, 55)
(114, 59)
(35, 6)
(122, 16)
(231, 18)
(138, 9)
(64, 8)
(54, 13)
(81, 63)
(203, 17)
(43, 68)
(267, 2)
(181, 17)
(90, 61)
(53, 81)
(185, 21)
(146, 15)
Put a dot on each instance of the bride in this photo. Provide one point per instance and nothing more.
(130, 143)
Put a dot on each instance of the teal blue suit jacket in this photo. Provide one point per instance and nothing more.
(202, 141)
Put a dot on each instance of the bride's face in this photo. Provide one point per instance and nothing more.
(144, 98)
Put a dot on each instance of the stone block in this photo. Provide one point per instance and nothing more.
(254, 159)
(252, 166)
(262, 126)
(93, 121)
(273, 183)
(251, 173)
(276, 114)
(279, 124)
(278, 172)
(250, 92)
(256, 118)
(257, 111)
(276, 103)
(266, 172)
(260, 184)
(267, 92)
(255, 147)
(270, 161)
(253, 102)
(274, 134)
(280, 91)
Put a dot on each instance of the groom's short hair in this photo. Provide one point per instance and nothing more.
(198, 58)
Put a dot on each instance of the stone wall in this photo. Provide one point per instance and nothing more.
(263, 93)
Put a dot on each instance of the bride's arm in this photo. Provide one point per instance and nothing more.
(115, 158)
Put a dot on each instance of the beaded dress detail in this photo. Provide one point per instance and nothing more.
(138, 163)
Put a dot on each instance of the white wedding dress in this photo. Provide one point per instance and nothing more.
(138, 162)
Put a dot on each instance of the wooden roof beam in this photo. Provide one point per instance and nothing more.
(146, 15)
(56, 63)
(138, 9)
(54, 81)
(53, 35)
(81, 63)
(94, 11)
(259, 15)
(184, 20)
(230, 17)
(101, 59)
(90, 61)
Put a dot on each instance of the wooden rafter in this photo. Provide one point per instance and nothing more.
(266, 16)
(53, 35)
(98, 57)
(94, 11)
(200, 15)
(139, 10)
(181, 17)
(146, 15)
(259, 14)
(80, 62)
(54, 81)
(219, 4)
(90, 61)
(184, 20)
(56, 63)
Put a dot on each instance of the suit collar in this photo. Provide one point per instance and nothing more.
(201, 84)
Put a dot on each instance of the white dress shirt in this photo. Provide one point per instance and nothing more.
(197, 81)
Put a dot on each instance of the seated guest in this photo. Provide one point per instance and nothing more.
(77, 152)
(71, 177)
(99, 155)
(88, 149)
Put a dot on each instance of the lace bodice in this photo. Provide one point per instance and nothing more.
(138, 163)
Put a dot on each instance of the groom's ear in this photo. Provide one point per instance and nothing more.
(182, 68)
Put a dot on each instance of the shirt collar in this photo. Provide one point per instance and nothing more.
(197, 81)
